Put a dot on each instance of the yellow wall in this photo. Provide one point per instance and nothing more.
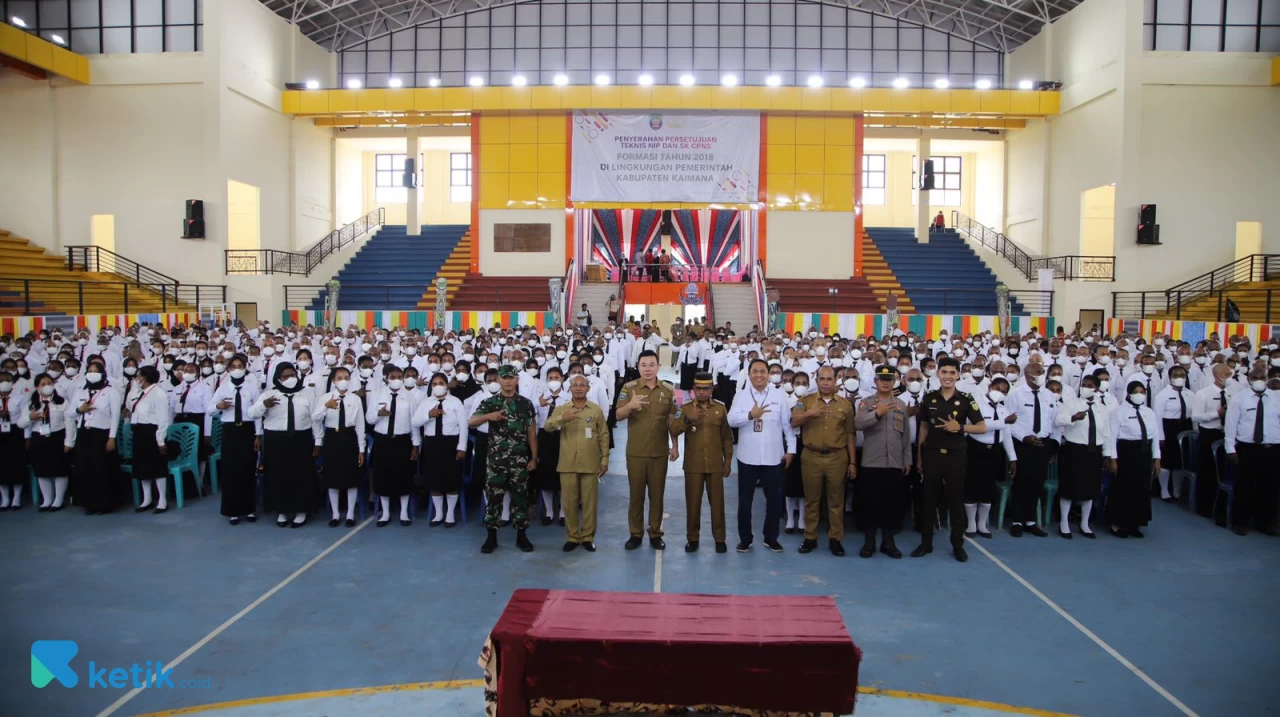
(827, 238)
(1248, 239)
(102, 231)
(433, 195)
(244, 219)
(899, 210)
(809, 164)
(1098, 221)
(548, 263)
(522, 163)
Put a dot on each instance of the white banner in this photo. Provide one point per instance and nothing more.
(666, 157)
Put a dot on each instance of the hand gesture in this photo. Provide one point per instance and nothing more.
(331, 403)
(271, 401)
(544, 401)
(757, 410)
(37, 414)
(1079, 416)
(815, 410)
(570, 414)
(496, 416)
(1013, 418)
(637, 403)
(1222, 411)
(674, 455)
(693, 413)
(85, 408)
(382, 410)
(435, 412)
(951, 425)
(223, 405)
(883, 408)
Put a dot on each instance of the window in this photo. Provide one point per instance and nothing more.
(873, 179)
(1210, 26)
(946, 181)
(460, 177)
(388, 179)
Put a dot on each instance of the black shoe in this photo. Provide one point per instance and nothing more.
(1065, 534)
(868, 547)
(234, 521)
(657, 544)
(15, 507)
(435, 523)
(743, 547)
(350, 522)
(505, 523)
(959, 554)
(836, 548)
(1015, 530)
(773, 545)
(888, 548)
(1036, 531)
(55, 508)
(1120, 532)
(1170, 499)
(157, 511)
(383, 523)
(45, 509)
(251, 518)
(722, 548)
(1090, 536)
(1268, 531)
(282, 524)
(1240, 530)
(1136, 533)
(334, 522)
(569, 547)
(632, 543)
(922, 551)
(546, 520)
(297, 525)
(139, 509)
(448, 524)
(406, 522)
(562, 522)
(974, 534)
(808, 546)
(588, 546)
(691, 546)
(4, 508)
(491, 542)
(789, 531)
(984, 535)
(522, 542)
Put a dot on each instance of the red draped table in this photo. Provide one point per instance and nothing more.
(570, 652)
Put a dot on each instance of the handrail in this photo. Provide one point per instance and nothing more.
(300, 296)
(1255, 267)
(568, 288)
(709, 319)
(1035, 302)
(758, 287)
(277, 261)
(103, 296)
(92, 258)
(1144, 304)
(1069, 267)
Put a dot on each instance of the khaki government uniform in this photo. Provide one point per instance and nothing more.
(677, 338)
(584, 450)
(647, 449)
(825, 462)
(708, 449)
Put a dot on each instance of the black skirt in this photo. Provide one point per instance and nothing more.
(290, 471)
(341, 459)
(1079, 472)
(91, 475)
(148, 463)
(49, 457)
(1129, 500)
(13, 446)
(792, 480)
(984, 467)
(392, 469)
(442, 468)
(546, 476)
(1170, 451)
(238, 470)
(687, 372)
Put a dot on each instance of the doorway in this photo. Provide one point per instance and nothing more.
(1098, 221)
(247, 313)
(1092, 317)
(243, 216)
(1248, 239)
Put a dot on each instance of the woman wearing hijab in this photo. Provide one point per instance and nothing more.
(1133, 450)
(241, 434)
(292, 441)
(96, 407)
(340, 413)
(149, 416)
(44, 419)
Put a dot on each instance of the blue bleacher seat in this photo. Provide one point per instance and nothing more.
(946, 262)
(393, 257)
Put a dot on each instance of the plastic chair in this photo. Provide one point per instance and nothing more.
(1187, 441)
(124, 447)
(1050, 491)
(1226, 481)
(1005, 488)
(215, 455)
(35, 487)
(188, 459)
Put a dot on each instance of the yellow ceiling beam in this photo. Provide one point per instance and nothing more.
(462, 120)
(36, 52)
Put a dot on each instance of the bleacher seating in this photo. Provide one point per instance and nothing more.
(502, 293)
(393, 269)
(1250, 297)
(945, 263)
(855, 296)
(454, 269)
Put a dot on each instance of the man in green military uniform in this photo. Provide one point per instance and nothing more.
(647, 406)
(829, 457)
(513, 452)
(584, 459)
(708, 458)
(946, 415)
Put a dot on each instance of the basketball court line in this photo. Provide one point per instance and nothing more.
(1087, 632)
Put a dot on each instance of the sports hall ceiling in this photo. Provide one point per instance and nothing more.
(998, 24)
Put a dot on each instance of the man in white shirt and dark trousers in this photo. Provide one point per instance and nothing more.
(1210, 408)
(766, 447)
(1252, 432)
(1034, 432)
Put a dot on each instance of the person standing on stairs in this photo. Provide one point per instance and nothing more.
(939, 223)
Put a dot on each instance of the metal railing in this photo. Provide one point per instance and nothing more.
(61, 296)
(373, 297)
(275, 261)
(568, 289)
(1218, 282)
(1072, 267)
(1253, 305)
(1034, 302)
(104, 261)
(759, 290)
(675, 273)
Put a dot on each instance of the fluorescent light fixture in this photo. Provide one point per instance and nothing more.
(313, 84)
(519, 81)
(645, 80)
(815, 81)
(433, 82)
(1025, 84)
(17, 21)
(57, 39)
(941, 83)
(857, 83)
(395, 82)
(602, 80)
(476, 81)
(729, 80)
(560, 80)
(353, 84)
(773, 80)
(901, 83)
(686, 80)
(983, 84)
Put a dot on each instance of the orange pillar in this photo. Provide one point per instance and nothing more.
(475, 193)
(859, 134)
(763, 195)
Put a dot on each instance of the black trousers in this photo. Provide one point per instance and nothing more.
(879, 501)
(1206, 471)
(943, 478)
(1028, 484)
(1255, 486)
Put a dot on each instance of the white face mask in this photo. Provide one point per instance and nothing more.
(1148, 370)
(1122, 362)
(1037, 381)
(492, 387)
(1161, 363)
(268, 351)
(395, 384)
(931, 372)
(1258, 386)
(366, 372)
(189, 377)
(463, 376)
(788, 388)
(439, 391)
(411, 351)
(54, 374)
(775, 378)
(976, 373)
(1185, 360)
(6, 386)
(72, 371)
(1138, 398)
(1086, 392)
(562, 355)
(1104, 384)
(819, 351)
(304, 364)
(93, 377)
(206, 371)
(1178, 382)
(1104, 359)
(801, 390)
(219, 368)
(228, 354)
(1202, 360)
(290, 382)
(996, 396)
(130, 370)
(386, 356)
(330, 359)
(914, 386)
(850, 385)
(46, 390)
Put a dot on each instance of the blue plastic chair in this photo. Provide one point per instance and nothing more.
(1187, 441)
(1226, 481)
(124, 447)
(35, 487)
(1050, 490)
(215, 455)
(187, 436)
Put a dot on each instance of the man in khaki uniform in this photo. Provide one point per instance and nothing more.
(829, 457)
(647, 406)
(677, 338)
(886, 461)
(708, 459)
(584, 459)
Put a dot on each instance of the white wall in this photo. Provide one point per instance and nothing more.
(27, 178)
(988, 185)
(550, 263)
(348, 182)
(1025, 175)
(313, 159)
(826, 235)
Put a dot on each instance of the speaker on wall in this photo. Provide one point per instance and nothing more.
(193, 224)
(926, 176)
(1148, 230)
(410, 174)
(1147, 214)
(195, 209)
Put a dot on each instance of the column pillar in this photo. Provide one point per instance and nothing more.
(413, 199)
(923, 218)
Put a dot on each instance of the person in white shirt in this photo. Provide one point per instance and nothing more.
(1251, 433)
(96, 417)
(1133, 450)
(13, 444)
(986, 456)
(291, 443)
(241, 439)
(545, 478)
(1085, 424)
(192, 402)
(395, 444)
(1035, 434)
(690, 362)
(44, 419)
(340, 413)
(1174, 405)
(766, 447)
(1210, 408)
(444, 422)
(149, 416)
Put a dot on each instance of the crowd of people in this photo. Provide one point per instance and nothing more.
(870, 426)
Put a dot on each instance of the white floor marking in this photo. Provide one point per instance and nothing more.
(657, 571)
(1088, 633)
(126, 697)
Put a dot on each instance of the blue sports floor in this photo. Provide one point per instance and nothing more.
(255, 613)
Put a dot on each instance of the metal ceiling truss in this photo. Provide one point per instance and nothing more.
(995, 24)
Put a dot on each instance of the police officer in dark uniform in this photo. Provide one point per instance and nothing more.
(946, 415)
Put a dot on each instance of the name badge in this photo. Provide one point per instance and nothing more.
(757, 426)
(588, 431)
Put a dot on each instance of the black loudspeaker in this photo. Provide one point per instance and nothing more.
(926, 177)
(410, 176)
(195, 209)
(666, 222)
(193, 229)
(1147, 214)
(1149, 234)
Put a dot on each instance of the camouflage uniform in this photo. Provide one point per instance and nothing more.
(507, 467)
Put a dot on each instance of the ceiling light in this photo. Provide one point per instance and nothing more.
(313, 84)
(519, 81)
(686, 80)
(729, 80)
(983, 84)
(17, 21)
(395, 82)
(353, 84)
(645, 80)
(560, 80)
(901, 83)
(476, 81)
(815, 81)
(773, 80)
(57, 39)
(857, 83)
(941, 83)
(602, 80)
(1025, 84)
(433, 82)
